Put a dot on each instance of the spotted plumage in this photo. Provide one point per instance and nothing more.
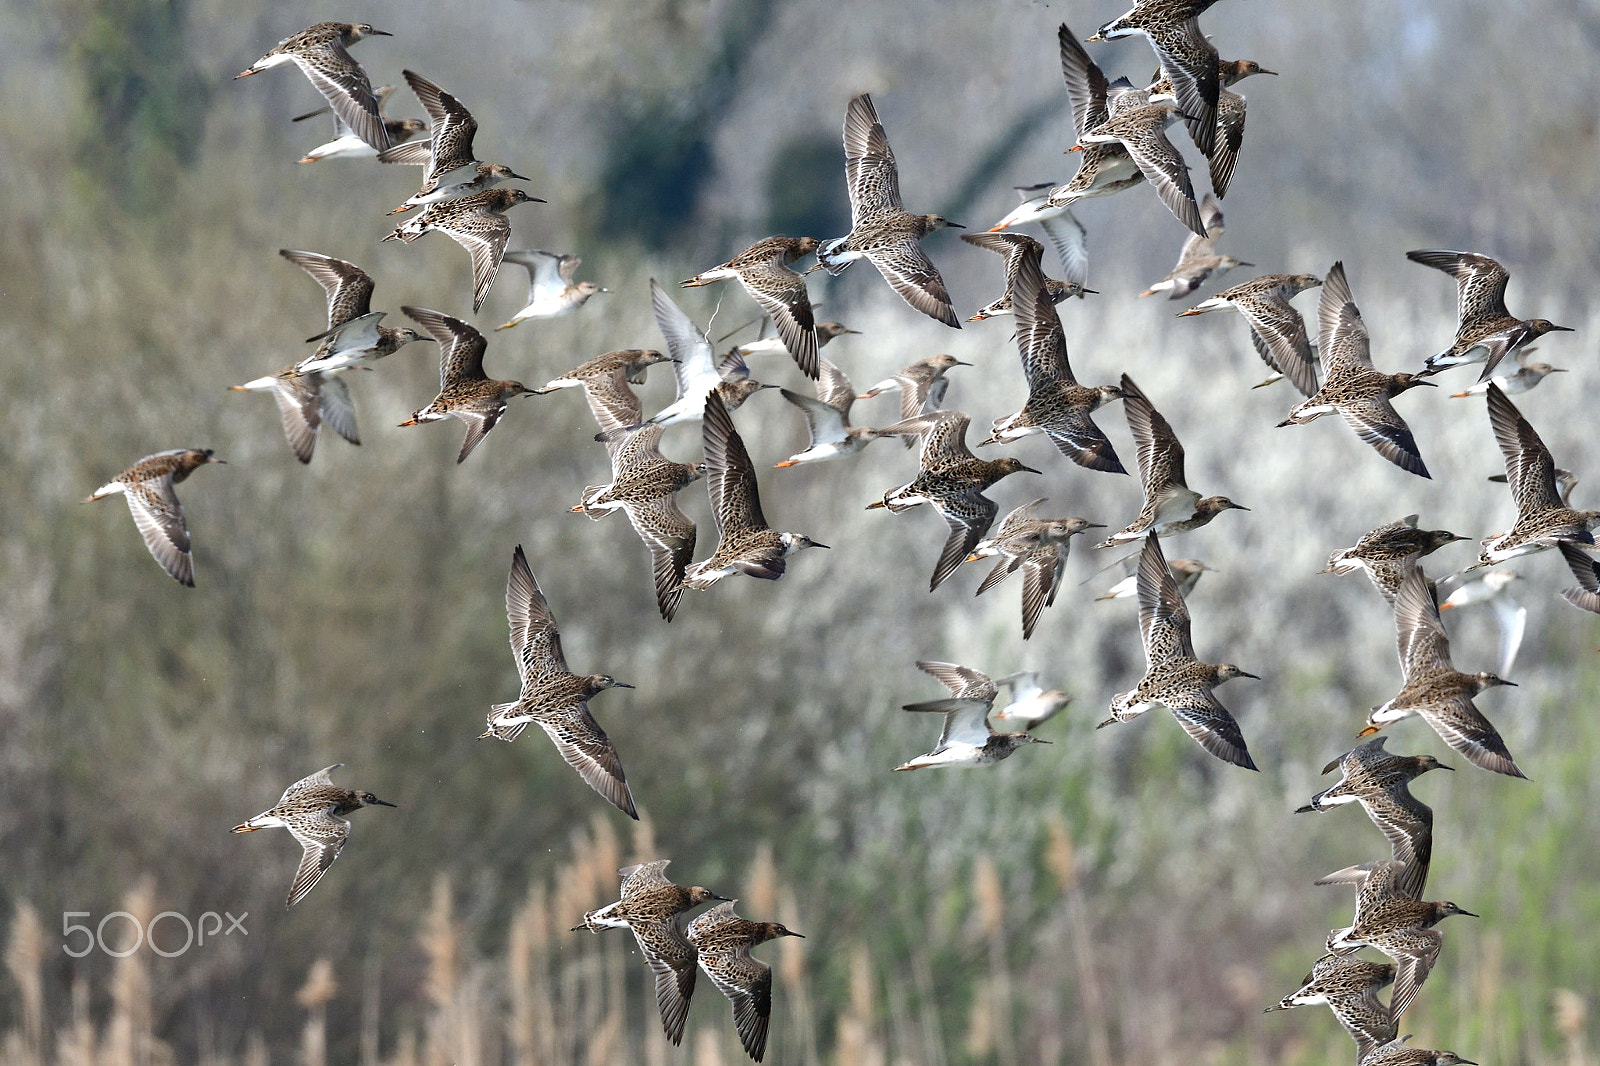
(321, 53)
(1370, 776)
(355, 335)
(1057, 405)
(1349, 987)
(1544, 518)
(724, 940)
(763, 270)
(478, 223)
(952, 482)
(1396, 924)
(312, 810)
(1176, 679)
(1188, 61)
(649, 906)
(881, 229)
(1139, 124)
(1487, 331)
(1276, 329)
(1013, 246)
(1434, 689)
(1385, 552)
(1039, 547)
(552, 696)
(1352, 386)
(148, 487)
(465, 391)
(745, 544)
(1170, 505)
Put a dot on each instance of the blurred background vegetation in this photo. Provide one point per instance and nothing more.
(1114, 898)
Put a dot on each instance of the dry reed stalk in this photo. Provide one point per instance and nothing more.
(405, 1049)
(24, 953)
(131, 1040)
(932, 1031)
(761, 884)
(855, 1043)
(792, 978)
(76, 1045)
(707, 1048)
(1063, 860)
(991, 899)
(314, 996)
(439, 941)
(1570, 1013)
(521, 941)
(255, 1051)
(371, 1005)
(980, 1021)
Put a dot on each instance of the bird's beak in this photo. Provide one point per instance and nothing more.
(812, 269)
(386, 803)
(974, 557)
(1558, 370)
(1503, 681)
(814, 544)
(410, 422)
(962, 362)
(1431, 384)
(1256, 677)
(1076, 148)
(1091, 40)
(1558, 329)
(214, 459)
(237, 388)
(621, 684)
(1040, 740)
(1096, 525)
(692, 283)
(1191, 311)
(787, 932)
(521, 177)
(1030, 469)
(1367, 732)
(245, 74)
(958, 225)
(1442, 766)
(1467, 914)
(497, 329)
(577, 508)
(1274, 74)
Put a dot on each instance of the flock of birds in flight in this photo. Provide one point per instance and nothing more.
(1122, 138)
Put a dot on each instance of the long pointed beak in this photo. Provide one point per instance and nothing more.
(380, 33)
(1430, 384)
(224, 462)
(1503, 681)
(1264, 71)
(958, 225)
(1442, 766)
(620, 684)
(245, 74)
(1558, 329)
(1030, 469)
(522, 177)
(1468, 914)
(1091, 40)
(814, 544)
(410, 422)
(384, 803)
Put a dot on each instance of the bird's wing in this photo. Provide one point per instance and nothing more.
(613, 402)
(1530, 470)
(688, 346)
(347, 287)
(1377, 422)
(344, 85)
(671, 959)
(535, 641)
(1279, 335)
(909, 271)
(587, 749)
(1209, 723)
(484, 235)
(1086, 82)
(1189, 61)
(299, 398)
(670, 536)
(1480, 281)
(159, 516)
(824, 423)
(730, 475)
(747, 983)
(969, 517)
(1071, 242)
(781, 292)
(321, 779)
(1342, 340)
(1163, 615)
(870, 171)
(1160, 453)
(451, 128)
(962, 681)
(1423, 646)
(461, 347)
(322, 836)
(339, 410)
